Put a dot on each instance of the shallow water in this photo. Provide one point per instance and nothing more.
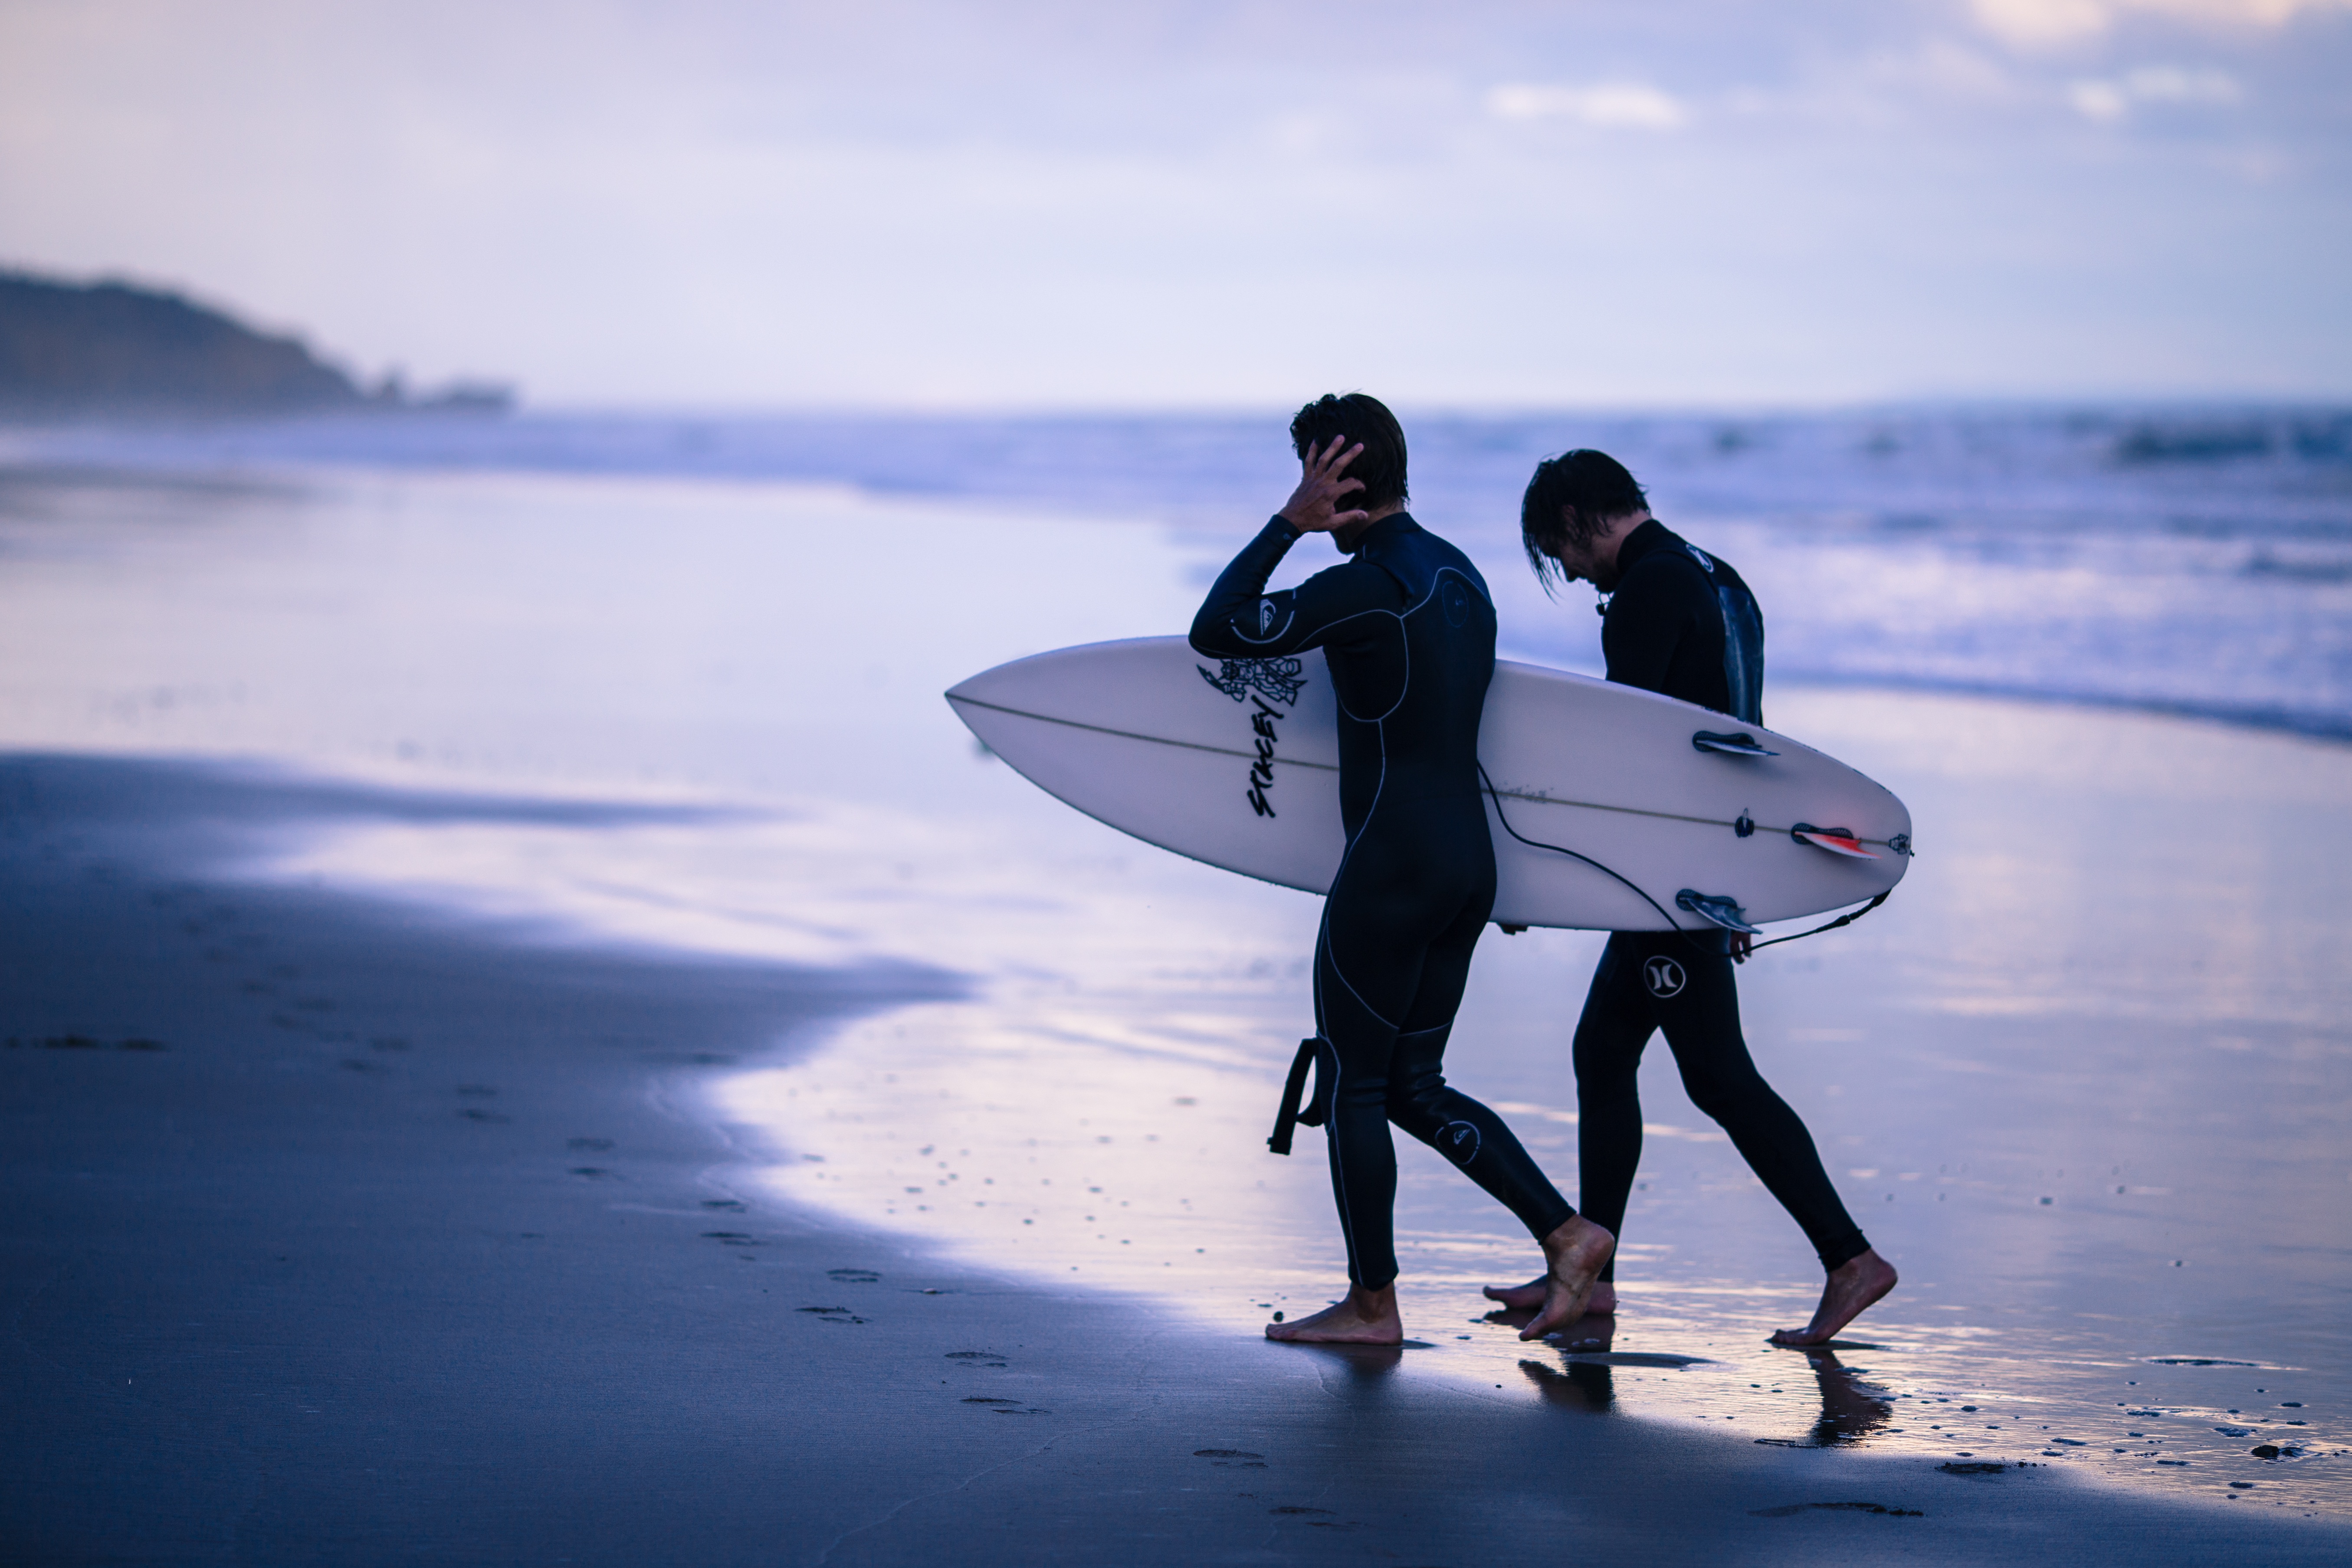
(2195, 559)
(2085, 1079)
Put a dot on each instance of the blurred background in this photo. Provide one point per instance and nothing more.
(668, 401)
(1211, 205)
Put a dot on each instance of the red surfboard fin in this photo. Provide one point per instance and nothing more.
(1836, 840)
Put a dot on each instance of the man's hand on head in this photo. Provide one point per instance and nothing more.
(1315, 507)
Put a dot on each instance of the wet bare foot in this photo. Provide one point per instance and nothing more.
(1361, 1318)
(1576, 1253)
(1601, 1303)
(1852, 1285)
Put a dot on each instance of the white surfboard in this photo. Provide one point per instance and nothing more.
(1235, 763)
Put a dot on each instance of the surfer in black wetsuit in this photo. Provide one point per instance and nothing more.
(1407, 630)
(1681, 622)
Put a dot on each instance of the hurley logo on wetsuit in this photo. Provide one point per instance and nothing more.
(1663, 975)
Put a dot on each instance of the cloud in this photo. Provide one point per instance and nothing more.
(1617, 105)
(2044, 22)
(2110, 99)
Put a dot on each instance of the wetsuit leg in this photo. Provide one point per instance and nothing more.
(1394, 951)
(1467, 1132)
(1696, 1003)
(1360, 992)
(1610, 1035)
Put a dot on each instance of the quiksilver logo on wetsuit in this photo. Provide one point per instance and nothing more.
(1244, 679)
(1663, 975)
(1264, 616)
(1458, 1142)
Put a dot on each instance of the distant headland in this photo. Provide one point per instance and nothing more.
(116, 351)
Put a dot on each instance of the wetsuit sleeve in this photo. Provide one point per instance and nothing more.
(1241, 620)
(1650, 615)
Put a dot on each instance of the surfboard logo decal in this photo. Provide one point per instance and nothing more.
(1237, 677)
(1663, 976)
(1262, 770)
(1253, 681)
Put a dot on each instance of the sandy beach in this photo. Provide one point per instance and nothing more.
(343, 1232)
(521, 1050)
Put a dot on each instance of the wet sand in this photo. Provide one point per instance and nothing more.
(622, 813)
(2081, 1080)
(339, 1229)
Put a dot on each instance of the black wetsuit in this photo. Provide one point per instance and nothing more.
(1407, 628)
(1681, 623)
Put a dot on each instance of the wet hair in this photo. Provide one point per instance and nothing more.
(1572, 499)
(1357, 417)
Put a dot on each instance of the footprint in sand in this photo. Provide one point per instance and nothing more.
(833, 1314)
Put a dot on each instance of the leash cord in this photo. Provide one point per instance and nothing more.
(1845, 920)
(1496, 795)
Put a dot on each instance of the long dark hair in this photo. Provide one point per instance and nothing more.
(1571, 499)
(1357, 417)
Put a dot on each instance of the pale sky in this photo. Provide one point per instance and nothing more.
(1047, 204)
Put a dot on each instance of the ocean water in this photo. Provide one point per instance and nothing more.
(2086, 1078)
(2182, 559)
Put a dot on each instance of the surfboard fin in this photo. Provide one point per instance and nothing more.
(1836, 840)
(1742, 744)
(1717, 909)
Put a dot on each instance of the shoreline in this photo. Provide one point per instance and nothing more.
(485, 1293)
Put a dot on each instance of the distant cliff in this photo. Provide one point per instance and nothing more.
(109, 349)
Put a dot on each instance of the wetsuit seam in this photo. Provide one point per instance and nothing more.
(1330, 943)
(1332, 1139)
(1405, 688)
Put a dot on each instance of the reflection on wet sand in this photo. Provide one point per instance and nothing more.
(1586, 1364)
(1851, 1409)
(1582, 1382)
(2085, 1080)
(1357, 1365)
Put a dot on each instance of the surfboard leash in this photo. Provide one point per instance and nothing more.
(1846, 919)
(1496, 795)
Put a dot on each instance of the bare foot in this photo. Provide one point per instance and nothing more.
(1575, 1253)
(1363, 1318)
(1852, 1285)
(1601, 1303)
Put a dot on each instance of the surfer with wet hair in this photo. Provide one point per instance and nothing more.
(1407, 630)
(1680, 621)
